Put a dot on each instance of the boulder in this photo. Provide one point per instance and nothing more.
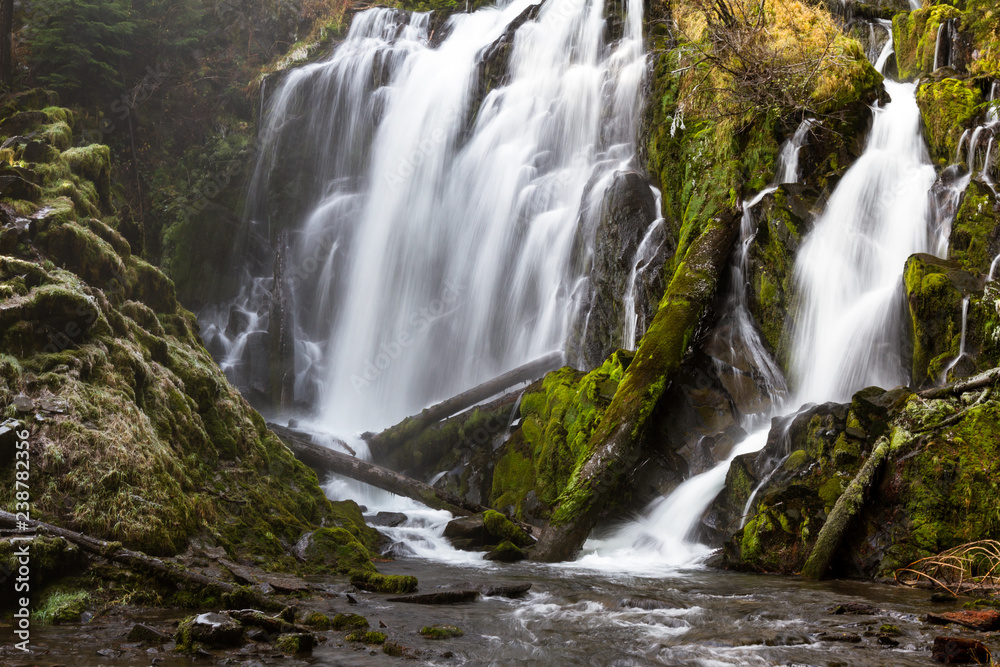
(211, 629)
(957, 650)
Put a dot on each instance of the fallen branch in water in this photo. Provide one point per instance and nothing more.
(382, 443)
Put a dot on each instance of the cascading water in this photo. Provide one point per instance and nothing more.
(439, 233)
(961, 345)
(850, 321)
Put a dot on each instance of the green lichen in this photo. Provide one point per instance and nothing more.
(342, 621)
(384, 583)
(441, 632)
(948, 107)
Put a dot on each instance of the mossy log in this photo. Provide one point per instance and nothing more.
(381, 444)
(328, 461)
(981, 381)
(846, 508)
(616, 443)
(136, 560)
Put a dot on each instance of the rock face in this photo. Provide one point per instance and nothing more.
(625, 217)
(145, 441)
(931, 494)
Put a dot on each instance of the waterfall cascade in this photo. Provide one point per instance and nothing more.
(440, 225)
(850, 321)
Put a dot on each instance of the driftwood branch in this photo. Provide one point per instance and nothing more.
(328, 461)
(981, 381)
(381, 444)
(136, 560)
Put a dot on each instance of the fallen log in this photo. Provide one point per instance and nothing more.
(136, 560)
(981, 381)
(382, 443)
(846, 508)
(328, 461)
(616, 443)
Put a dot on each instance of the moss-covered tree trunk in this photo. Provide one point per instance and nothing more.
(616, 443)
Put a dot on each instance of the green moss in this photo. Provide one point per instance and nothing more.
(370, 637)
(441, 631)
(503, 529)
(973, 238)
(337, 549)
(914, 36)
(296, 642)
(62, 606)
(342, 621)
(393, 649)
(384, 583)
(948, 107)
(797, 459)
(317, 620)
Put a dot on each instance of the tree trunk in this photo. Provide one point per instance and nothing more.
(325, 460)
(616, 444)
(847, 506)
(383, 443)
(6, 40)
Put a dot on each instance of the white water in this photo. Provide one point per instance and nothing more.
(961, 344)
(484, 223)
(850, 325)
(650, 246)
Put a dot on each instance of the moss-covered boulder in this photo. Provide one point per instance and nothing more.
(935, 291)
(211, 630)
(975, 233)
(557, 419)
(150, 445)
(948, 107)
(915, 35)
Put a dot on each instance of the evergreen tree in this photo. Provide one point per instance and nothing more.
(77, 46)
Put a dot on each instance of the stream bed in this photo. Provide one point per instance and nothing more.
(571, 616)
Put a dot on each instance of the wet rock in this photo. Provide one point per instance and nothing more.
(16, 187)
(620, 226)
(983, 621)
(840, 637)
(344, 621)
(250, 575)
(506, 552)
(440, 597)
(141, 632)
(943, 597)
(855, 609)
(23, 403)
(253, 618)
(511, 591)
(212, 630)
(238, 322)
(483, 530)
(387, 519)
(296, 642)
(953, 650)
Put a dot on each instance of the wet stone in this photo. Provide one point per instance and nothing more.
(958, 650)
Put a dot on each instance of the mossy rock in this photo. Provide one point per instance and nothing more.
(295, 642)
(211, 630)
(975, 233)
(948, 107)
(370, 637)
(344, 621)
(384, 583)
(334, 549)
(506, 552)
(62, 606)
(441, 632)
(914, 36)
(318, 621)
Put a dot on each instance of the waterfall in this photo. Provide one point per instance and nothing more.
(650, 246)
(851, 323)
(437, 196)
(961, 343)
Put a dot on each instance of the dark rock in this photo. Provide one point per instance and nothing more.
(16, 187)
(141, 632)
(943, 597)
(213, 630)
(511, 591)
(296, 642)
(844, 637)
(951, 650)
(387, 519)
(35, 151)
(983, 621)
(618, 230)
(856, 609)
(238, 322)
(506, 552)
(441, 597)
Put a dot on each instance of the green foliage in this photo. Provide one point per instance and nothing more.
(79, 43)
